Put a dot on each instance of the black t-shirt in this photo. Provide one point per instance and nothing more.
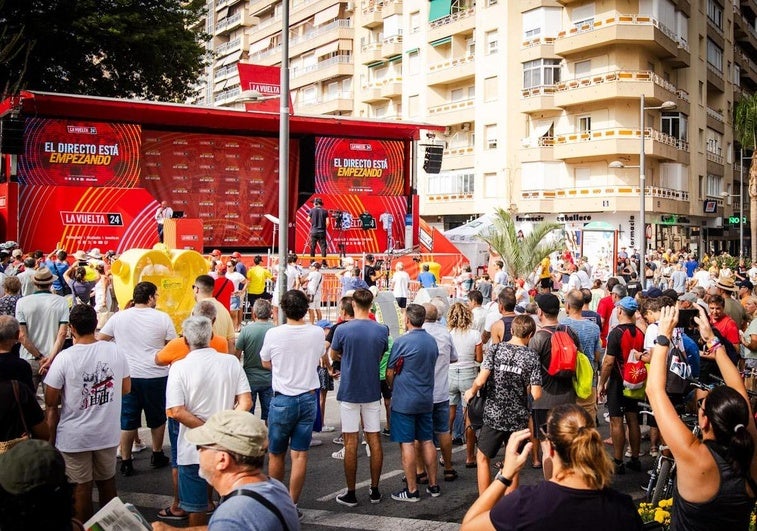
(318, 220)
(11, 426)
(614, 346)
(367, 221)
(592, 316)
(548, 506)
(555, 391)
(14, 368)
(633, 287)
(368, 273)
(337, 364)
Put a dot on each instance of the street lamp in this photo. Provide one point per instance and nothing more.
(284, 155)
(741, 202)
(666, 106)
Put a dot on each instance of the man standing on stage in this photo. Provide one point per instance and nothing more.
(163, 213)
(319, 219)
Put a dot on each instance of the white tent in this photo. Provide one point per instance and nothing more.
(465, 238)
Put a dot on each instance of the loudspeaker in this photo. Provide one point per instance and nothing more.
(432, 160)
(12, 136)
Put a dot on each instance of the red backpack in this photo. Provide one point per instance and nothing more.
(564, 352)
(634, 371)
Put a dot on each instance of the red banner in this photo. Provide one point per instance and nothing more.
(75, 153)
(265, 81)
(355, 166)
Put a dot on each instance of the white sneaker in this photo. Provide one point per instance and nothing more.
(628, 453)
(137, 447)
(338, 455)
(327, 429)
(315, 442)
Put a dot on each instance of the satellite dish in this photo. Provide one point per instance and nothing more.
(273, 219)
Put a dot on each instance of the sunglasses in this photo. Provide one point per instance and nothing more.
(543, 429)
(700, 404)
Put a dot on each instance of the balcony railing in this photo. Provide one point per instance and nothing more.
(714, 69)
(225, 71)
(632, 20)
(331, 61)
(320, 30)
(226, 95)
(540, 90)
(450, 63)
(453, 17)
(717, 158)
(452, 106)
(538, 41)
(228, 22)
(326, 98)
(229, 47)
(618, 133)
(605, 191)
(712, 113)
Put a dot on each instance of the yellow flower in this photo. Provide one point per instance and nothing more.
(660, 515)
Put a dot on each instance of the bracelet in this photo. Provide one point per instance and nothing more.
(712, 343)
(712, 347)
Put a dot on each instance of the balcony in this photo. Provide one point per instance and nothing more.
(715, 162)
(371, 53)
(537, 48)
(391, 46)
(459, 22)
(451, 71)
(541, 98)
(631, 30)
(620, 84)
(715, 78)
(340, 103)
(371, 93)
(321, 35)
(372, 15)
(453, 112)
(391, 88)
(715, 120)
(226, 96)
(595, 198)
(232, 46)
(229, 24)
(540, 150)
(459, 157)
(226, 3)
(392, 7)
(337, 66)
(604, 143)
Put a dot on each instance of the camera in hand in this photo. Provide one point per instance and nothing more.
(689, 325)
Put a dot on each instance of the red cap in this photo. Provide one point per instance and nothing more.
(236, 254)
(216, 252)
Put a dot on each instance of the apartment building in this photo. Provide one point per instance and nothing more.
(540, 101)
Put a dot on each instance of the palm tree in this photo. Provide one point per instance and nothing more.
(521, 256)
(745, 130)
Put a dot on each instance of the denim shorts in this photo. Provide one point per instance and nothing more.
(172, 426)
(193, 490)
(148, 394)
(264, 393)
(290, 422)
(235, 303)
(407, 428)
(441, 417)
(460, 380)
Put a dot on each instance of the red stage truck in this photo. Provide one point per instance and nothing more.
(84, 172)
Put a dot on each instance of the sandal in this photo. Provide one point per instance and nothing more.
(168, 514)
(420, 479)
(471, 465)
(450, 475)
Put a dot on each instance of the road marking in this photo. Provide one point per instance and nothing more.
(370, 522)
(142, 499)
(367, 482)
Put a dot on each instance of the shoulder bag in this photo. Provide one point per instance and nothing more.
(7, 445)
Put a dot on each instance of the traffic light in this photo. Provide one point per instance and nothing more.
(12, 135)
(432, 160)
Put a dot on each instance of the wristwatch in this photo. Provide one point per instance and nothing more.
(502, 479)
(663, 341)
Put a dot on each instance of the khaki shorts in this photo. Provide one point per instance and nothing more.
(97, 465)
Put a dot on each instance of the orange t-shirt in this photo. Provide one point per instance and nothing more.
(176, 349)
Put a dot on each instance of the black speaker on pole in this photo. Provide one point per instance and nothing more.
(432, 160)
(11, 135)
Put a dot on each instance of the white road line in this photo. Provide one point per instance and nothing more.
(372, 522)
(367, 482)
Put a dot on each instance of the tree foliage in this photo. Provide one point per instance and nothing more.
(115, 48)
(745, 130)
(521, 257)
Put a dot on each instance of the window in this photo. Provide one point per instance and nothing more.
(458, 182)
(309, 95)
(714, 185)
(456, 94)
(714, 142)
(714, 55)
(674, 124)
(583, 15)
(490, 134)
(470, 46)
(490, 89)
(542, 22)
(413, 106)
(413, 63)
(491, 42)
(583, 177)
(392, 26)
(737, 75)
(715, 13)
(584, 125)
(491, 185)
(541, 72)
(415, 22)
(582, 68)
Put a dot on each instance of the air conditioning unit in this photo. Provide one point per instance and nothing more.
(349, 6)
(447, 131)
(466, 126)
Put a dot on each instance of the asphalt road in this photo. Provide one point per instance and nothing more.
(150, 490)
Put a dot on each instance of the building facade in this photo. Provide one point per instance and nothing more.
(540, 101)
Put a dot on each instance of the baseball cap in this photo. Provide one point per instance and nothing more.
(652, 293)
(324, 323)
(29, 465)
(548, 303)
(240, 432)
(746, 283)
(236, 254)
(628, 303)
(688, 297)
(216, 252)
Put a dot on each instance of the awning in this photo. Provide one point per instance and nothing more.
(439, 42)
(439, 9)
(260, 45)
(345, 45)
(222, 13)
(327, 49)
(395, 58)
(414, 50)
(326, 15)
(220, 85)
(471, 230)
(539, 128)
(374, 65)
(232, 58)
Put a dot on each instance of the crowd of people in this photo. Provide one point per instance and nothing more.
(493, 340)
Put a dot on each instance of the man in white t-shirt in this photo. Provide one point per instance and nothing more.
(240, 289)
(400, 283)
(87, 380)
(140, 332)
(292, 352)
(200, 385)
(314, 290)
(703, 278)
(162, 213)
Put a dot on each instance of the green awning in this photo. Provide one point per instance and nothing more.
(439, 9)
(441, 41)
(395, 58)
(375, 64)
(412, 51)
(599, 225)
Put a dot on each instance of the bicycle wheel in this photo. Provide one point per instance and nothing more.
(660, 491)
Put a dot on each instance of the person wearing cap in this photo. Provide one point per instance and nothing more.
(726, 288)
(33, 483)
(87, 381)
(239, 266)
(198, 386)
(58, 264)
(555, 391)
(746, 289)
(248, 345)
(360, 344)
(140, 332)
(611, 384)
(319, 222)
(239, 283)
(257, 276)
(231, 446)
(687, 301)
(292, 352)
(162, 213)
(43, 318)
(313, 285)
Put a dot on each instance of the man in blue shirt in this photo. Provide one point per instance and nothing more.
(360, 343)
(410, 373)
(427, 278)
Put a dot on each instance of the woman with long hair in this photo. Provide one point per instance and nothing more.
(467, 341)
(576, 497)
(714, 485)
